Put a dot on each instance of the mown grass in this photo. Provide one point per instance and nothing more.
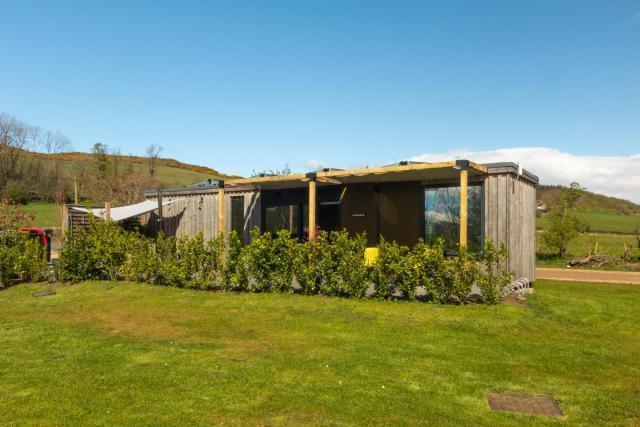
(602, 221)
(46, 214)
(105, 353)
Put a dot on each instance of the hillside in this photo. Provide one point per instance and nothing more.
(604, 214)
(550, 195)
(170, 172)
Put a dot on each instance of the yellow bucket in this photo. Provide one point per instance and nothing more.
(370, 256)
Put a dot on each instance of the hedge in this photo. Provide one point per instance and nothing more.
(332, 265)
(21, 258)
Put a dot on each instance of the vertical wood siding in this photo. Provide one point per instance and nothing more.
(510, 215)
(193, 213)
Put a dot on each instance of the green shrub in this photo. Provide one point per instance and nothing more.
(462, 272)
(431, 263)
(395, 270)
(99, 253)
(270, 261)
(21, 257)
(494, 275)
(333, 264)
(199, 261)
(8, 263)
(192, 263)
(306, 266)
(32, 262)
(341, 267)
(235, 274)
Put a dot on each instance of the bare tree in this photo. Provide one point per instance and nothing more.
(14, 136)
(116, 157)
(153, 154)
(53, 142)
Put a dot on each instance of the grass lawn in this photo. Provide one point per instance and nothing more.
(608, 244)
(47, 214)
(602, 221)
(105, 353)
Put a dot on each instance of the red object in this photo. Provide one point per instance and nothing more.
(39, 231)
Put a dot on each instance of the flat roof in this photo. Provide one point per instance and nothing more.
(402, 171)
(393, 173)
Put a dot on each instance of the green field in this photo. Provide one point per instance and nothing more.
(106, 353)
(602, 221)
(168, 176)
(46, 214)
(608, 244)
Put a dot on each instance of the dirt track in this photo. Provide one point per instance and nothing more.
(577, 275)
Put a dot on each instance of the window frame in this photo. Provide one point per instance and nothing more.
(480, 184)
(236, 198)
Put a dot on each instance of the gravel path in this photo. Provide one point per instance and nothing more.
(577, 275)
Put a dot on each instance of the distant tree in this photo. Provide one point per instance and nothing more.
(52, 142)
(564, 222)
(100, 153)
(286, 170)
(116, 157)
(14, 139)
(153, 154)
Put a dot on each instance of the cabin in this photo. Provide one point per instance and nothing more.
(460, 201)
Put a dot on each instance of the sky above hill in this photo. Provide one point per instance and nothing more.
(244, 85)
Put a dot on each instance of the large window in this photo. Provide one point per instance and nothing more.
(285, 217)
(237, 214)
(442, 216)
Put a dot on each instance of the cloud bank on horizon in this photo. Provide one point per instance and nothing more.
(610, 175)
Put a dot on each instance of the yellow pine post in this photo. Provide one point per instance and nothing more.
(221, 209)
(312, 206)
(464, 216)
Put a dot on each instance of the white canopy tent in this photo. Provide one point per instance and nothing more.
(124, 212)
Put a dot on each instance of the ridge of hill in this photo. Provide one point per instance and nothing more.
(77, 156)
(550, 195)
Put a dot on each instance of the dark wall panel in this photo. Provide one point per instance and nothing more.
(358, 211)
(401, 212)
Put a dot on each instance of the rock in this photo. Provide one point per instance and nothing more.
(421, 293)
(397, 293)
(370, 291)
(295, 285)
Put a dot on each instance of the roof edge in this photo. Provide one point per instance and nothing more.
(511, 167)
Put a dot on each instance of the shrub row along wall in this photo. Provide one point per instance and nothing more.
(332, 265)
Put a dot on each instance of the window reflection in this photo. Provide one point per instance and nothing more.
(237, 214)
(283, 217)
(442, 216)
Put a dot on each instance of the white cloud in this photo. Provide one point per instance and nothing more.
(611, 175)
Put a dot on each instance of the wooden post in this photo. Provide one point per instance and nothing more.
(221, 209)
(107, 211)
(65, 220)
(312, 206)
(75, 190)
(160, 218)
(291, 219)
(464, 195)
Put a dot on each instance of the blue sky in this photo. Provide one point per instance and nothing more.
(251, 85)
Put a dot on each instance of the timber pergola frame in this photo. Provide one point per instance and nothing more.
(402, 172)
